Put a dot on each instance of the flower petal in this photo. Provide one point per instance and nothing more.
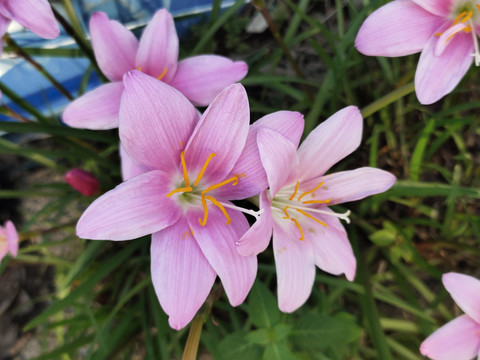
(445, 38)
(457, 339)
(436, 7)
(12, 238)
(181, 275)
(35, 15)
(115, 47)
(156, 121)
(97, 109)
(217, 242)
(202, 78)
(396, 29)
(437, 76)
(257, 238)
(4, 24)
(158, 50)
(465, 290)
(279, 158)
(332, 250)
(222, 130)
(352, 185)
(135, 208)
(330, 142)
(290, 125)
(130, 168)
(295, 266)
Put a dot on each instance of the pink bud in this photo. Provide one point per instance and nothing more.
(82, 181)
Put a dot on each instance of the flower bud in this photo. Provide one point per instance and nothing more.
(82, 181)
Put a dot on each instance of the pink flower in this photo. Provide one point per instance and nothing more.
(189, 168)
(445, 31)
(82, 181)
(305, 231)
(8, 240)
(35, 15)
(458, 339)
(199, 78)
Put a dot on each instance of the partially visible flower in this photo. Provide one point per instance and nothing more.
(35, 15)
(305, 231)
(445, 31)
(8, 240)
(186, 170)
(82, 181)
(199, 78)
(458, 339)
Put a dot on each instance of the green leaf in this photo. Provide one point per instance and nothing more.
(277, 351)
(262, 306)
(235, 347)
(383, 237)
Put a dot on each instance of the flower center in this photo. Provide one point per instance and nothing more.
(203, 193)
(304, 207)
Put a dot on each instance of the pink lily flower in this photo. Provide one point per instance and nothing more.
(35, 15)
(82, 181)
(458, 339)
(199, 78)
(445, 31)
(305, 231)
(8, 240)
(189, 170)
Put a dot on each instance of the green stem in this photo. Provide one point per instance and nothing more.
(30, 234)
(12, 95)
(12, 113)
(388, 99)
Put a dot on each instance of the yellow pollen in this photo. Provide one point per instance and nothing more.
(311, 191)
(159, 77)
(295, 192)
(200, 174)
(222, 209)
(233, 180)
(184, 168)
(317, 201)
(463, 17)
(139, 68)
(286, 213)
(184, 189)
(469, 15)
(311, 217)
(302, 237)
(459, 17)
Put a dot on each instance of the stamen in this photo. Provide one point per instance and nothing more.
(205, 212)
(478, 6)
(184, 167)
(254, 213)
(222, 209)
(311, 217)
(184, 190)
(316, 201)
(200, 174)
(457, 19)
(162, 74)
(469, 15)
(311, 191)
(302, 237)
(233, 180)
(139, 68)
(287, 216)
(295, 192)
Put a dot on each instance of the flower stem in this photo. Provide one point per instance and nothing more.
(12, 113)
(19, 51)
(388, 99)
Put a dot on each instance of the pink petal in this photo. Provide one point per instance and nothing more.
(12, 238)
(217, 242)
(330, 142)
(352, 185)
(332, 250)
(97, 109)
(279, 158)
(135, 208)
(222, 130)
(437, 76)
(156, 122)
(181, 275)
(4, 23)
(457, 339)
(115, 47)
(396, 29)
(158, 51)
(202, 78)
(290, 125)
(35, 15)
(257, 238)
(447, 36)
(295, 266)
(465, 290)
(436, 7)
(130, 168)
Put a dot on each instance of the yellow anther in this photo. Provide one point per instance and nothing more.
(205, 212)
(184, 190)
(317, 201)
(286, 213)
(295, 192)
(159, 77)
(458, 18)
(469, 15)
(311, 217)
(233, 180)
(184, 167)
(200, 174)
(311, 191)
(302, 237)
(139, 68)
(478, 6)
(222, 209)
